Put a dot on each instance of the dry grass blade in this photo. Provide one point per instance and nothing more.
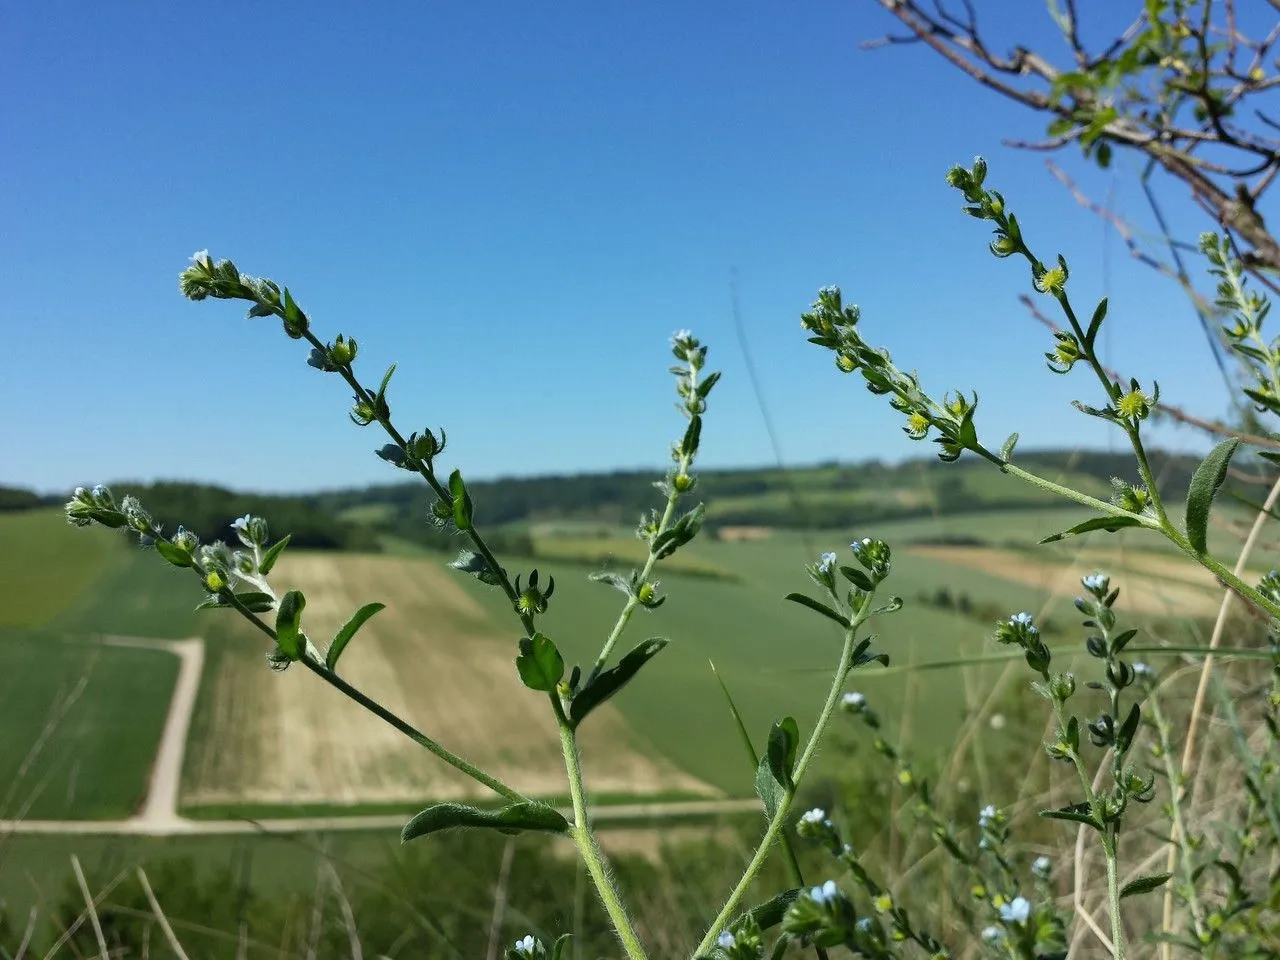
(161, 919)
(27, 934)
(500, 900)
(90, 908)
(84, 914)
(348, 915)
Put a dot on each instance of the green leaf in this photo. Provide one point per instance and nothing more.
(212, 602)
(820, 607)
(770, 913)
(558, 948)
(605, 684)
(1006, 452)
(272, 555)
(288, 619)
(175, 555)
(476, 565)
(1109, 524)
(768, 788)
(1099, 315)
(540, 664)
(461, 501)
(1122, 641)
(512, 819)
(358, 620)
(254, 601)
(857, 578)
(784, 736)
(1204, 487)
(1144, 884)
(1076, 813)
(1129, 728)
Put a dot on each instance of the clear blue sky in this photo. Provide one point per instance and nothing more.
(519, 203)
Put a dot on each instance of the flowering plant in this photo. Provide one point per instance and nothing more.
(1015, 911)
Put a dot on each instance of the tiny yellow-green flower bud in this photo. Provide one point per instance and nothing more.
(683, 482)
(214, 581)
(1052, 281)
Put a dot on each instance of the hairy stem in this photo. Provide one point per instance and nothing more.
(779, 818)
(585, 839)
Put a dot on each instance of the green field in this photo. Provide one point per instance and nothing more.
(47, 564)
(81, 724)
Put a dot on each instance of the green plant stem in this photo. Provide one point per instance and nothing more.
(779, 818)
(1113, 898)
(588, 848)
(1149, 478)
(673, 497)
(410, 731)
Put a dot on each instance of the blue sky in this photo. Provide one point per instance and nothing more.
(519, 203)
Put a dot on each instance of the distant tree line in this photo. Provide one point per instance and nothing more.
(766, 497)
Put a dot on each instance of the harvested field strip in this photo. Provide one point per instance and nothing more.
(433, 658)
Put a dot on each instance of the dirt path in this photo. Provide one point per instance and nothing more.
(160, 809)
(159, 815)
(181, 826)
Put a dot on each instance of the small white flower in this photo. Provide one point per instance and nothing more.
(827, 562)
(242, 523)
(854, 700)
(816, 815)
(992, 934)
(200, 256)
(997, 721)
(1023, 618)
(1142, 671)
(1042, 867)
(987, 815)
(726, 941)
(680, 336)
(1016, 912)
(526, 945)
(1095, 582)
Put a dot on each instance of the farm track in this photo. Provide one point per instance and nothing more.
(159, 817)
(626, 813)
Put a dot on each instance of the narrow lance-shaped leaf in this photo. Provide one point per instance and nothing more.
(605, 684)
(461, 501)
(1204, 487)
(273, 554)
(818, 606)
(784, 736)
(358, 620)
(1109, 524)
(770, 913)
(288, 622)
(511, 819)
(1144, 884)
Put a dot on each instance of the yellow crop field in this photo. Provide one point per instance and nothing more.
(433, 657)
(1150, 583)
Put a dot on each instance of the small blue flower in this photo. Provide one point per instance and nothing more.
(992, 934)
(526, 945)
(1142, 671)
(987, 815)
(1042, 867)
(1024, 619)
(825, 893)
(726, 941)
(1016, 912)
(827, 562)
(242, 523)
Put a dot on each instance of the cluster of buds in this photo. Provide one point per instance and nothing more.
(419, 452)
(220, 279)
(533, 599)
(835, 326)
(1247, 309)
(1021, 630)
